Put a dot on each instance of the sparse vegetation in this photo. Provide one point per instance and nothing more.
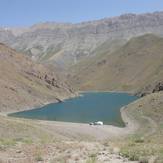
(143, 54)
(7, 142)
(92, 158)
(39, 158)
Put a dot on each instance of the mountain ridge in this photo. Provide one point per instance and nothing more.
(135, 66)
(25, 84)
(69, 43)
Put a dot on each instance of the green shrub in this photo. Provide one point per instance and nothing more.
(139, 140)
(143, 160)
(7, 142)
(130, 154)
(92, 158)
(39, 158)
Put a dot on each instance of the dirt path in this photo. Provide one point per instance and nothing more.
(152, 124)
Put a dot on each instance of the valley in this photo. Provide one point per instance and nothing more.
(25, 84)
(52, 62)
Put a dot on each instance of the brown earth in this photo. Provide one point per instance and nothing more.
(25, 84)
(133, 67)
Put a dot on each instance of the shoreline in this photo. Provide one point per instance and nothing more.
(79, 94)
(132, 93)
(98, 132)
(78, 130)
(98, 91)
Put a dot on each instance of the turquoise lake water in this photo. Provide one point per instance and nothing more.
(89, 107)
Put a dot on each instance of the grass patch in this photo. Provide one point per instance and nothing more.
(27, 141)
(38, 155)
(92, 158)
(39, 158)
(130, 154)
(7, 142)
(139, 151)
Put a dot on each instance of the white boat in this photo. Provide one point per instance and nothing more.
(100, 123)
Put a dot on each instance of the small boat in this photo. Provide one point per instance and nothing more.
(99, 123)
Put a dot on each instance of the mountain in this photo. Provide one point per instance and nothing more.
(25, 84)
(67, 44)
(87, 51)
(6, 36)
(135, 66)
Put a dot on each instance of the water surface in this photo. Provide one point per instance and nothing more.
(89, 107)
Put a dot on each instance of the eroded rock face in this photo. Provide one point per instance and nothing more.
(69, 43)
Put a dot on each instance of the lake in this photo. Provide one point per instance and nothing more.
(90, 107)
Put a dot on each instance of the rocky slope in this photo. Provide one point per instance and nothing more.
(135, 66)
(147, 144)
(67, 43)
(25, 84)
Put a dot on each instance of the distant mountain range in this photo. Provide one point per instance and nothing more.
(67, 44)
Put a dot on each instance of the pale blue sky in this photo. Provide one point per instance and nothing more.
(28, 12)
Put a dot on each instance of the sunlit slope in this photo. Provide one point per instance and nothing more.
(25, 84)
(131, 67)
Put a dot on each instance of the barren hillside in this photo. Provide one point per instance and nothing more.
(25, 84)
(135, 66)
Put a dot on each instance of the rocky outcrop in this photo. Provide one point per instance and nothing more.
(158, 87)
(151, 88)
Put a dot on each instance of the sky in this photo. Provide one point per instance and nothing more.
(14, 13)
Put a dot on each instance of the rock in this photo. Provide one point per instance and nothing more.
(116, 150)
(18, 151)
(158, 87)
(151, 88)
